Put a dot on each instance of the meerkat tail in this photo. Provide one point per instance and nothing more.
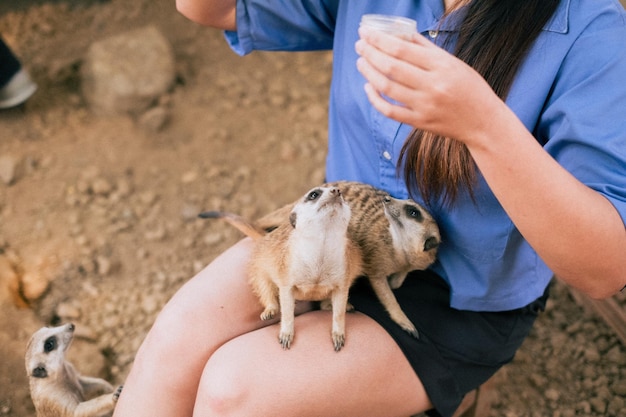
(271, 220)
(236, 221)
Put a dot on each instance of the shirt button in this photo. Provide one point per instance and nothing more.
(433, 33)
(387, 156)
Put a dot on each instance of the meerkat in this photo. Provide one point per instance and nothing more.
(395, 237)
(56, 388)
(309, 256)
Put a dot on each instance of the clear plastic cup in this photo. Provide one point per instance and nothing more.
(400, 26)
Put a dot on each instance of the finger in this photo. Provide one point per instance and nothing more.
(400, 69)
(417, 51)
(390, 67)
(397, 112)
(401, 85)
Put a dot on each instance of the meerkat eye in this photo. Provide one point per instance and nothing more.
(50, 344)
(313, 195)
(413, 212)
(387, 199)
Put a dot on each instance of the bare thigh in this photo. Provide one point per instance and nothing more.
(252, 375)
(210, 309)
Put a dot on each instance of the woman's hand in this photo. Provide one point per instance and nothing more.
(429, 88)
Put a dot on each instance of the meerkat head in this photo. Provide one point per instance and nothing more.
(412, 226)
(45, 353)
(320, 204)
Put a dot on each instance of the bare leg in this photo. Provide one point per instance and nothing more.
(252, 376)
(210, 309)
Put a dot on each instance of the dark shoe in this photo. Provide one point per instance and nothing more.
(17, 90)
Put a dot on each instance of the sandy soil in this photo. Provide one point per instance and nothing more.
(102, 209)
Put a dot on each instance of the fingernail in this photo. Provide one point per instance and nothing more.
(359, 64)
(358, 46)
(364, 31)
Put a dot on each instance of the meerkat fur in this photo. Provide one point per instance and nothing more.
(56, 388)
(308, 256)
(395, 236)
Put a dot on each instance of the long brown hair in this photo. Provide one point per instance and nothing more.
(494, 38)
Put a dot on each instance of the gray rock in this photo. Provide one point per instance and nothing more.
(126, 73)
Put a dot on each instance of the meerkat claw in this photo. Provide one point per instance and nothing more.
(117, 393)
(413, 332)
(339, 340)
(285, 340)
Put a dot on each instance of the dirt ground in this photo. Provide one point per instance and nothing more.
(98, 213)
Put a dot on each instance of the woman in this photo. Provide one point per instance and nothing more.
(506, 119)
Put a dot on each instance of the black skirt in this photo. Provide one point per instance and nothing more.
(456, 350)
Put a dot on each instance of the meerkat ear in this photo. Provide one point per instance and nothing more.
(292, 219)
(40, 372)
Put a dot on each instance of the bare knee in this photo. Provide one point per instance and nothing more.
(225, 387)
(168, 332)
(174, 335)
(192, 321)
(160, 381)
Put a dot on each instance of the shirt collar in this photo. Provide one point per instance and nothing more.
(558, 23)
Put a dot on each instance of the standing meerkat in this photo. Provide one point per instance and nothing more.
(394, 236)
(309, 256)
(56, 388)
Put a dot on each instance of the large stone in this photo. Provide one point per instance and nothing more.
(127, 73)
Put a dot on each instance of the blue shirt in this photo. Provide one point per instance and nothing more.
(570, 93)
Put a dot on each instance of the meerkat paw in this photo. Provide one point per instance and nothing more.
(285, 339)
(117, 393)
(403, 321)
(269, 313)
(410, 329)
(339, 339)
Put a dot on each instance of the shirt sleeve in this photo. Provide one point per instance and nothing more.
(584, 122)
(283, 25)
